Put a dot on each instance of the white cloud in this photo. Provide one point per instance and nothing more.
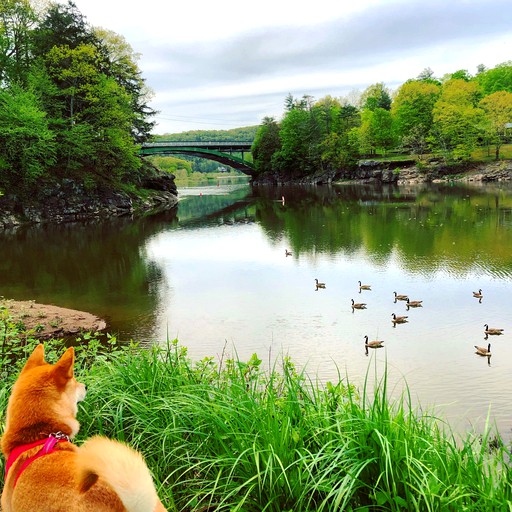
(223, 64)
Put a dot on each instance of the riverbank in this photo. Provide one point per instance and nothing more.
(70, 200)
(494, 171)
(46, 321)
(374, 171)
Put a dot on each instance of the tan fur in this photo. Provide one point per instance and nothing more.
(102, 475)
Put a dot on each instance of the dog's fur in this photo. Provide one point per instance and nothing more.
(101, 475)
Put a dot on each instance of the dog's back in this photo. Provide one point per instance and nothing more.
(45, 471)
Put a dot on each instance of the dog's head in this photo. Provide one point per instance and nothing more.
(46, 394)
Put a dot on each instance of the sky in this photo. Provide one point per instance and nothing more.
(221, 64)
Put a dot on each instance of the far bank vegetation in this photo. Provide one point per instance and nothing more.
(455, 119)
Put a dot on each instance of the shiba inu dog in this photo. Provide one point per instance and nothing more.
(45, 472)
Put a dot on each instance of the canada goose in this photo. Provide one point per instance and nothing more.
(483, 351)
(400, 297)
(358, 305)
(287, 252)
(319, 285)
(492, 331)
(372, 344)
(478, 294)
(399, 319)
(414, 303)
(364, 286)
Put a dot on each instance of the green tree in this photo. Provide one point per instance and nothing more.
(95, 112)
(376, 131)
(291, 103)
(340, 150)
(27, 146)
(415, 141)
(496, 79)
(376, 96)
(120, 63)
(457, 118)
(340, 147)
(327, 111)
(413, 105)
(461, 74)
(17, 19)
(266, 143)
(498, 112)
(62, 25)
(300, 136)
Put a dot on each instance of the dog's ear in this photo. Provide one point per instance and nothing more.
(63, 368)
(35, 359)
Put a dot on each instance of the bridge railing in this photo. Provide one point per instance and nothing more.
(199, 143)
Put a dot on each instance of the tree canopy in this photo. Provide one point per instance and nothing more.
(73, 100)
(448, 116)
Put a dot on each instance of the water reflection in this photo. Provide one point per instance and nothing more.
(99, 267)
(217, 269)
(425, 227)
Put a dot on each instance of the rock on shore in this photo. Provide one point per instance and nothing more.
(70, 200)
(373, 171)
(49, 321)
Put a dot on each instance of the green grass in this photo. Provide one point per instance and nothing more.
(485, 154)
(232, 436)
(480, 154)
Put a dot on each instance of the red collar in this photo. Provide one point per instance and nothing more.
(48, 446)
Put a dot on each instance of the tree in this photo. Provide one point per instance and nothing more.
(339, 149)
(326, 110)
(265, 144)
(427, 75)
(300, 136)
(413, 105)
(376, 131)
(496, 79)
(461, 74)
(120, 63)
(291, 103)
(16, 21)
(415, 141)
(62, 25)
(376, 96)
(498, 112)
(27, 146)
(457, 118)
(95, 113)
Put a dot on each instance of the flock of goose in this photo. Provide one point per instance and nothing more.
(481, 351)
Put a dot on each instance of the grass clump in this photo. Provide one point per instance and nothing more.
(233, 436)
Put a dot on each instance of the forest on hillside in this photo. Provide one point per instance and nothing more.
(448, 117)
(73, 103)
(245, 133)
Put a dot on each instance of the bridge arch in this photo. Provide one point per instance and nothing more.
(221, 152)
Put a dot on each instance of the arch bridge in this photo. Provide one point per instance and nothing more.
(219, 151)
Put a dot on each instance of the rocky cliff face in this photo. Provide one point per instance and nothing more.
(369, 171)
(495, 171)
(70, 200)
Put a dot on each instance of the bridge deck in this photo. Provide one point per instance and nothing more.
(220, 151)
(214, 145)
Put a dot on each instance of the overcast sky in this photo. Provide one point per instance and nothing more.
(220, 64)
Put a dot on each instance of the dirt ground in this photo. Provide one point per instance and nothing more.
(49, 321)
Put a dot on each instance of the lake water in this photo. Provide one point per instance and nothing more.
(214, 274)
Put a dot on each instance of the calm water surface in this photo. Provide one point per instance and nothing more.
(214, 274)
